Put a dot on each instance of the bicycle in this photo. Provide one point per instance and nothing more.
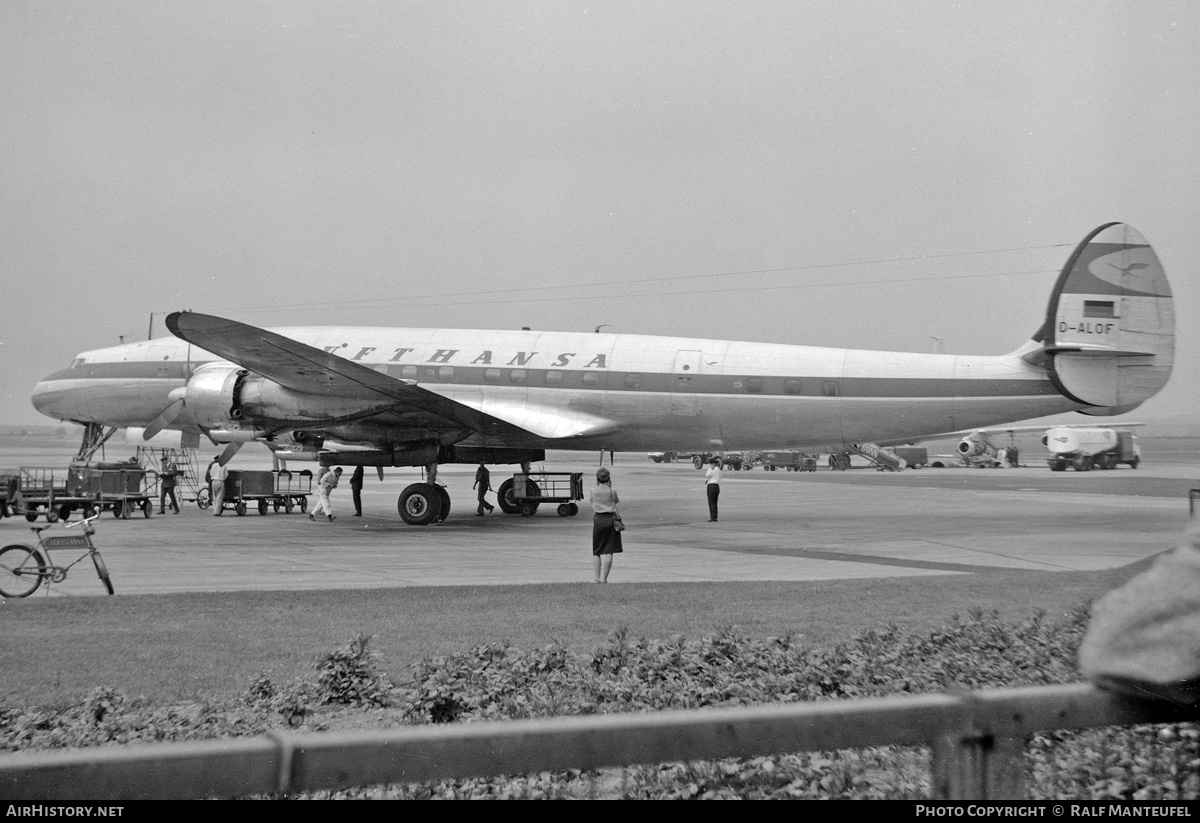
(22, 568)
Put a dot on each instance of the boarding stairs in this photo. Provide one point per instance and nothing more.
(884, 461)
(152, 459)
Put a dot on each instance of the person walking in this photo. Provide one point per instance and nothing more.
(356, 481)
(712, 487)
(606, 540)
(217, 473)
(166, 488)
(328, 482)
(483, 482)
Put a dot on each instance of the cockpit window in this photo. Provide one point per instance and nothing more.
(76, 363)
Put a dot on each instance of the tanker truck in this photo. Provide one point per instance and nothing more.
(1087, 449)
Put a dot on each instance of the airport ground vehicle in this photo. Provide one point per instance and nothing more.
(1086, 449)
(23, 568)
(914, 457)
(56, 493)
(787, 460)
(292, 489)
(523, 493)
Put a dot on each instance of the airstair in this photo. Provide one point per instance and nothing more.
(885, 461)
(152, 459)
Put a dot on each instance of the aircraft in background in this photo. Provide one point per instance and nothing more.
(424, 397)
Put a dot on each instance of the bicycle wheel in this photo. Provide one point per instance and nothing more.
(102, 570)
(21, 570)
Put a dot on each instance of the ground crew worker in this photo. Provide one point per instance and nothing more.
(327, 484)
(166, 488)
(218, 472)
(483, 482)
(356, 483)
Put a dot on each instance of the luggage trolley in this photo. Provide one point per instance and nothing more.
(292, 489)
(531, 490)
(243, 486)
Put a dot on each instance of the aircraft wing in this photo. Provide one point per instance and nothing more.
(303, 368)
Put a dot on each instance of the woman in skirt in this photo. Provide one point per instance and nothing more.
(606, 540)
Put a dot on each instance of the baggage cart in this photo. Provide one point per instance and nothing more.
(121, 489)
(525, 492)
(243, 487)
(292, 489)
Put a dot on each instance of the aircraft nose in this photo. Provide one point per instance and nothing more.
(51, 398)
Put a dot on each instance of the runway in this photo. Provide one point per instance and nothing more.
(773, 526)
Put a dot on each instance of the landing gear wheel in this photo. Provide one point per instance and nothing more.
(262, 506)
(419, 504)
(20, 570)
(102, 571)
(504, 496)
(444, 511)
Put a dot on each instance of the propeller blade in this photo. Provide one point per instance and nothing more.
(229, 452)
(380, 470)
(166, 418)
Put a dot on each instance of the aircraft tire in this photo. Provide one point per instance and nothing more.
(504, 496)
(419, 504)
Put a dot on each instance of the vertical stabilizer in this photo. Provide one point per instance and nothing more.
(1110, 323)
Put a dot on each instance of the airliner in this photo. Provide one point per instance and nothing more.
(379, 397)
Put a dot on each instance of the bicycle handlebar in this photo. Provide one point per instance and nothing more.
(95, 516)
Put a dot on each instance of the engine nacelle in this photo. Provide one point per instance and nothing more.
(972, 447)
(226, 397)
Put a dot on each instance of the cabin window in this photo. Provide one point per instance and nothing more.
(491, 375)
(553, 378)
(518, 376)
(408, 372)
(1099, 308)
(633, 380)
(792, 386)
(830, 388)
(445, 373)
(591, 378)
(755, 385)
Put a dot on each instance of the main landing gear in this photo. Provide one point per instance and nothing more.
(423, 503)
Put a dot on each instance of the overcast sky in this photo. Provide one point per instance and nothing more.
(868, 174)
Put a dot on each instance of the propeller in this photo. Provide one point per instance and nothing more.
(167, 416)
(230, 450)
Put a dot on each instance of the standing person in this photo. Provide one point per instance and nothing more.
(483, 482)
(327, 484)
(166, 488)
(15, 500)
(217, 473)
(356, 481)
(712, 487)
(606, 540)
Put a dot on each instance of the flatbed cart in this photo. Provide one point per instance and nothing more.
(43, 491)
(120, 490)
(292, 489)
(243, 487)
(523, 493)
